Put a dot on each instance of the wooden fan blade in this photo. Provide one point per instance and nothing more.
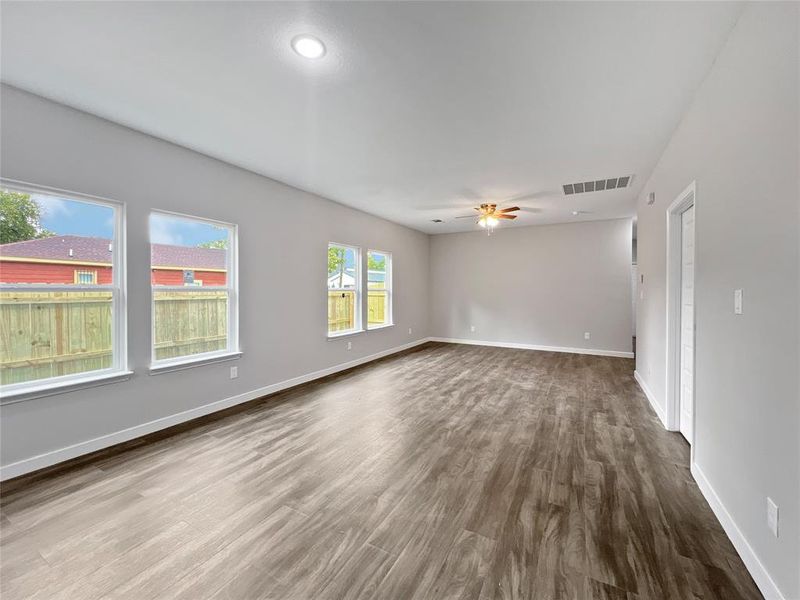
(499, 216)
(507, 210)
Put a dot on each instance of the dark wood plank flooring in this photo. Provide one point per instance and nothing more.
(447, 472)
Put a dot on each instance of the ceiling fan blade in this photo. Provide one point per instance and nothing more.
(498, 216)
(507, 210)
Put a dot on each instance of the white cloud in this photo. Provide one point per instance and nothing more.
(51, 206)
(163, 230)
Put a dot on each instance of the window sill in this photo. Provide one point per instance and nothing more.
(342, 334)
(62, 387)
(386, 326)
(190, 363)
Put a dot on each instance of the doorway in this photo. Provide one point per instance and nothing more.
(681, 314)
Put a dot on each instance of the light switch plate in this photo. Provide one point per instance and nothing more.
(234, 372)
(772, 517)
(737, 302)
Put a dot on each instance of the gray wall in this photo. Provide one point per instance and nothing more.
(282, 269)
(739, 141)
(543, 285)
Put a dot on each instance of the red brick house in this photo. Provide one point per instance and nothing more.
(69, 259)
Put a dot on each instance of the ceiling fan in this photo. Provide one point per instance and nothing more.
(489, 215)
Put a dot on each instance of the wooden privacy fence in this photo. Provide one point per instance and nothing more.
(47, 334)
(376, 303)
(341, 309)
(187, 323)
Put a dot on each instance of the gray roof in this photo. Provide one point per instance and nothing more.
(98, 250)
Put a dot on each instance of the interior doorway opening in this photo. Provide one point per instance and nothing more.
(680, 384)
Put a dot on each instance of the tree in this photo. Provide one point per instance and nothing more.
(374, 264)
(20, 218)
(336, 262)
(218, 244)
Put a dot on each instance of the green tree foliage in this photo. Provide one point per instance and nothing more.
(218, 244)
(336, 262)
(376, 264)
(20, 218)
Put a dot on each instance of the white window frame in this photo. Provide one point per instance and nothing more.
(232, 350)
(359, 309)
(119, 370)
(78, 272)
(387, 286)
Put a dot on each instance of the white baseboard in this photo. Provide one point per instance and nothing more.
(662, 415)
(593, 351)
(53, 457)
(746, 552)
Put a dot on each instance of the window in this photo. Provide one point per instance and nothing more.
(379, 289)
(193, 276)
(85, 277)
(344, 289)
(62, 300)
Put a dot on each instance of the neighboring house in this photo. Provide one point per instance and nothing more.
(69, 259)
(348, 279)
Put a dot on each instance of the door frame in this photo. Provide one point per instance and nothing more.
(685, 199)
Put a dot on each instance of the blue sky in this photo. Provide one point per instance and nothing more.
(167, 229)
(70, 217)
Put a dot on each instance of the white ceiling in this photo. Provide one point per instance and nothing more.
(418, 111)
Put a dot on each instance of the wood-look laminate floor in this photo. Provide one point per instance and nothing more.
(448, 472)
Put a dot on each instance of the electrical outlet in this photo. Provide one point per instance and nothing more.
(737, 302)
(234, 372)
(472, 328)
(587, 335)
(349, 345)
(772, 516)
(409, 331)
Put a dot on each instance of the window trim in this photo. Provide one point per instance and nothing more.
(78, 272)
(119, 369)
(359, 309)
(232, 350)
(389, 284)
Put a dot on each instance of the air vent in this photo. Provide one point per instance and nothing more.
(612, 183)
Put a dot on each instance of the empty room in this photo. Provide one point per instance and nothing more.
(399, 300)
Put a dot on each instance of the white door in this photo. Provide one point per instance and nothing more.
(687, 323)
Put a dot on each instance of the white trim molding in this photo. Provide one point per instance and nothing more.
(596, 352)
(672, 402)
(750, 559)
(54, 457)
(657, 408)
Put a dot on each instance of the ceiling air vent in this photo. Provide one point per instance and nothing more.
(613, 183)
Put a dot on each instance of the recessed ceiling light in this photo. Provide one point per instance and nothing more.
(308, 46)
(575, 213)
